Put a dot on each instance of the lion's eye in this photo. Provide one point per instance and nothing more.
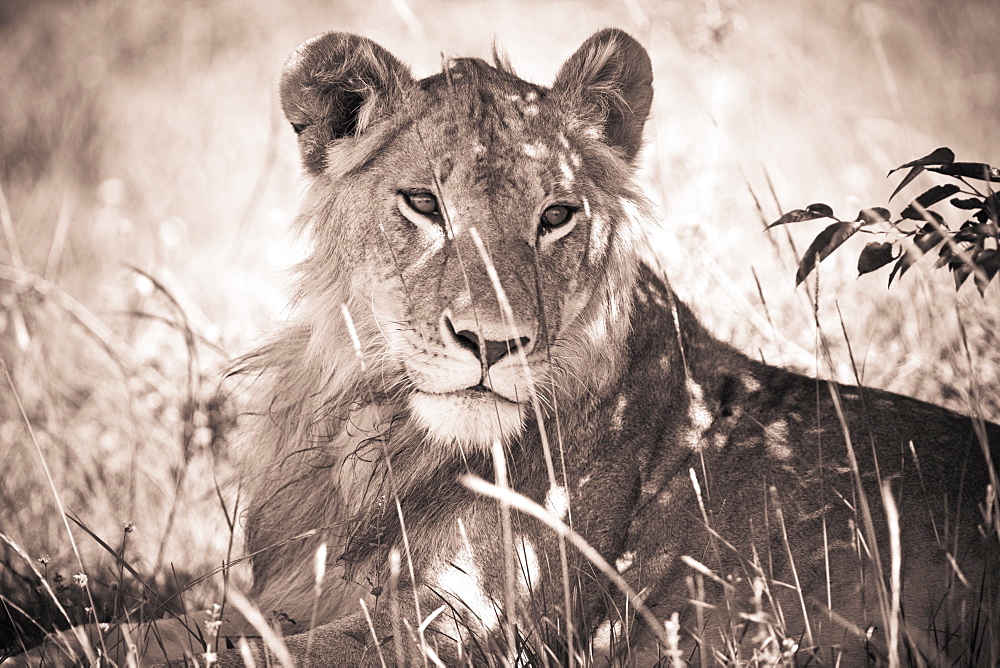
(556, 216)
(424, 203)
(299, 128)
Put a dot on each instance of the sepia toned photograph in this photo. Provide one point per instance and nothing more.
(513, 333)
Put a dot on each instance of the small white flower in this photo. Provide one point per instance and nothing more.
(80, 580)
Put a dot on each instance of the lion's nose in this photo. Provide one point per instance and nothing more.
(493, 350)
(487, 350)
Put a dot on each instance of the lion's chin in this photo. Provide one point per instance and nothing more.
(469, 418)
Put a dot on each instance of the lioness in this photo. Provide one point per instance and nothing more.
(480, 302)
(480, 282)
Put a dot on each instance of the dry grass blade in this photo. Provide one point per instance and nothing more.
(91, 323)
(371, 629)
(84, 643)
(41, 578)
(115, 554)
(510, 581)
(394, 610)
(319, 567)
(425, 650)
(7, 224)
(9, 605)
(674, 653)
(529, 507)
(896, 585)
(776, 505)
(272, 642)
(410, 20)
(246, 653)
(863, 508)
(543, 433)
(706, 571)
(58, 244)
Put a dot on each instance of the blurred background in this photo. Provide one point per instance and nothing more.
(148, 180)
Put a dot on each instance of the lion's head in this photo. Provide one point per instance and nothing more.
(468, 223)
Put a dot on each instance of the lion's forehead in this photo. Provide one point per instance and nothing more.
(491, 117)
(480, 91)
(503, 143)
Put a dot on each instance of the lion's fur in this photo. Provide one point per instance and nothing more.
(637, 396)
(319, 438)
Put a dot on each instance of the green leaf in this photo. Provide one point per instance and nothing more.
(924, 241)
(875, 214)
(915, 211)
(968, 204)
(992, 206)
(960, 268)
(969, 170)
(825, 243)
(906, 260)
(874, 255)
(811, 212)
(976, 232)
(820, 208)
(989, 262)
(948, 255)
(931, 234)
(939, 156)
(961, 271)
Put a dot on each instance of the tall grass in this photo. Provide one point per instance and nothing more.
(147, 177)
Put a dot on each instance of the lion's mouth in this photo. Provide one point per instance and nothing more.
(482, 393)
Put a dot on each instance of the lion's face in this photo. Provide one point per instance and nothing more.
(478, 214)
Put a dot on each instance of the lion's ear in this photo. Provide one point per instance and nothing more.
(611, 76)
(334, 86)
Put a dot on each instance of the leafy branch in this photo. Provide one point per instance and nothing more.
(971, 250)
